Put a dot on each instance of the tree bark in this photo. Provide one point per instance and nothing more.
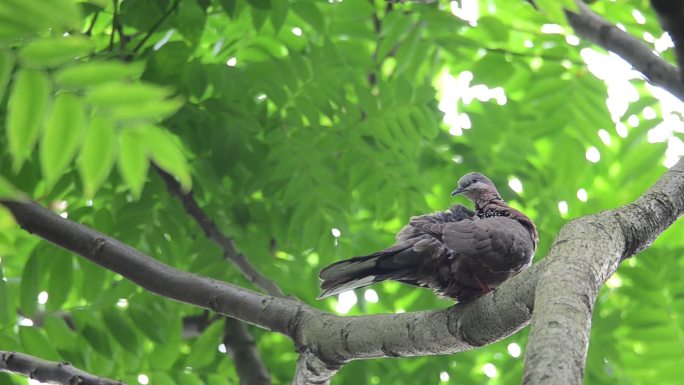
(48, 371)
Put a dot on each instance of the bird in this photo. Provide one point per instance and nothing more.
(458, 253)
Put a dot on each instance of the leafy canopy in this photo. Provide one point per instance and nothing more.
(288, 120)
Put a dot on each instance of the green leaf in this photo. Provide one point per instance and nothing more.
(27, 104)
(35, 343)
(205, 348)
(161, 378)
(493, 28)
(30, 285)
(395, 28)
(190, 21)
(232, 8)
(59, 333)
(4, 300)
(279, 14)
(132, 160)
(555, 10)
(54, 51)
(186, 378)
(260, 4)
(6, 67)
(60, 281)
(121, 330)
(62, 137)
(153, 109)
(8, 191)
(97, 154)
(145, 321)
(98, 72)
(115, 94)
(310, 13)
(165, 151)
(20, 18)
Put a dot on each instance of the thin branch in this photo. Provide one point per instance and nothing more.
(248, 364)
(49, 371)
(89, 31)
(250, 368)
(115, 17)
(671, 15)
(594, 28)
(156, 25)
(224, 242)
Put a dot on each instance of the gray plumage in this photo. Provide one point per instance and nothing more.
(459, 253)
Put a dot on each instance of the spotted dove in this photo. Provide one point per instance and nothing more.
(458, 253)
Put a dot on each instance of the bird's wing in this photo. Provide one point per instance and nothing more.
(418, 223)
(498, 243)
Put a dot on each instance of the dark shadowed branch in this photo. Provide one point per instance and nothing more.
(248, 364)
(49, 371)
(594, 28)
(224, 242)
(671, 15)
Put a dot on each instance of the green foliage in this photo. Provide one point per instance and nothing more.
(289, 119)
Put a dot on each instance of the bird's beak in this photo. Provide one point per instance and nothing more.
(459, 190)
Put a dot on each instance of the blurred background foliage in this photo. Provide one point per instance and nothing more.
(311, 131)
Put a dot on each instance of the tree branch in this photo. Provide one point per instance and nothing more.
(265, 311)
(248, 364)
(48, 371)
(594, 28)
(224, 242)
(586, 252)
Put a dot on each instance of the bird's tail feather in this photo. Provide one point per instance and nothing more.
(362, 271)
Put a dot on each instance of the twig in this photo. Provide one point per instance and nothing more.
(115, 15)
(89, 31)
(154, 28)
(224, 242)
(49, 371)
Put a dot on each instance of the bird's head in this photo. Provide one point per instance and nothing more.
(476, 186)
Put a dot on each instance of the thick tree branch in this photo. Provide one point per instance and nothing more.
(586, 252)
(248, 363)
(48, 371)
(265, 311)
(224, 242)
(594, 28)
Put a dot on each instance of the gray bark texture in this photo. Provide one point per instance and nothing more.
(49, 371)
